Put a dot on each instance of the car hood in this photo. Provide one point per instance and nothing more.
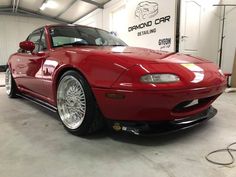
(136, 55)
(128, 64)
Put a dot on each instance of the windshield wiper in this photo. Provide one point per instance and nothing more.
(76, 43)
(117, 45)
(84, 44)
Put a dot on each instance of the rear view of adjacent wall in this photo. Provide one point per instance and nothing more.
(14, 29)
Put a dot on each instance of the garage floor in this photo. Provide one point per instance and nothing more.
(33, 143)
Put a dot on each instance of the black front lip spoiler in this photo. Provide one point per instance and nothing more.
(152, 128)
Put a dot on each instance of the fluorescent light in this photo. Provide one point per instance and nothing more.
(52, 4)
(49, 4)
(43, 6)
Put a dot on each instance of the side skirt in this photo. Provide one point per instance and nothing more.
(39, 102)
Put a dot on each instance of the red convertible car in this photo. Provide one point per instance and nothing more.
(91, 77)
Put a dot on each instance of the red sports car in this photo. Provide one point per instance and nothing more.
(89, 76)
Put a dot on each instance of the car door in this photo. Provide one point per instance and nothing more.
(30, 65)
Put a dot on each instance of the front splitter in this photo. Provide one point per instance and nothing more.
(160, 127)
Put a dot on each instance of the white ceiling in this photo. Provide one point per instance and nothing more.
(64, 10)
(77, 10)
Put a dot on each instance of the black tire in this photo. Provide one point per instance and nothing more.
(12, 89)
(92, 120)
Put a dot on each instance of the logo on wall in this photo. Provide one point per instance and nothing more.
(146, 9)
(164, 43)
(151, 23)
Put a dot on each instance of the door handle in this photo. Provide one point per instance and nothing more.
(183, 37)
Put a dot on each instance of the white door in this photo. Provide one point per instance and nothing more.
(190, 16)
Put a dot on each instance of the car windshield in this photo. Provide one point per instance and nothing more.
(82, 35)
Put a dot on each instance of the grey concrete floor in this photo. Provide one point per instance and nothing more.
(33, 143)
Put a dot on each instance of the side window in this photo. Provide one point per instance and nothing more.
(43, 43)
(35, 38)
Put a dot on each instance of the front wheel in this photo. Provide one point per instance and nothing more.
(76, 105)
(10, 85)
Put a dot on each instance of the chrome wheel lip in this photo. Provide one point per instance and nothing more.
(8, 81)
(71, 102)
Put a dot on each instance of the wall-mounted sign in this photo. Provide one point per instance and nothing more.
(152, 24)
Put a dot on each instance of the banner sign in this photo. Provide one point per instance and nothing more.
(152, 24)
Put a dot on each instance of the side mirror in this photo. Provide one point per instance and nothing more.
(27, 45)
(114, 33)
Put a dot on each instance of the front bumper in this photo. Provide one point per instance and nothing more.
(150, 128)
(155, 106)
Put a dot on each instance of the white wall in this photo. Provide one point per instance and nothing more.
(229, 45)
(101, 18)
(108, 9)
(94, 19)
(14, 29)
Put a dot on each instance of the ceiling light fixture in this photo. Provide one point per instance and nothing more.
(49, 4)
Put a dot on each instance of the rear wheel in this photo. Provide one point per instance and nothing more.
(10, 84)
(76, 105)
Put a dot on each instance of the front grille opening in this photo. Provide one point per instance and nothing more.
(192, 104)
